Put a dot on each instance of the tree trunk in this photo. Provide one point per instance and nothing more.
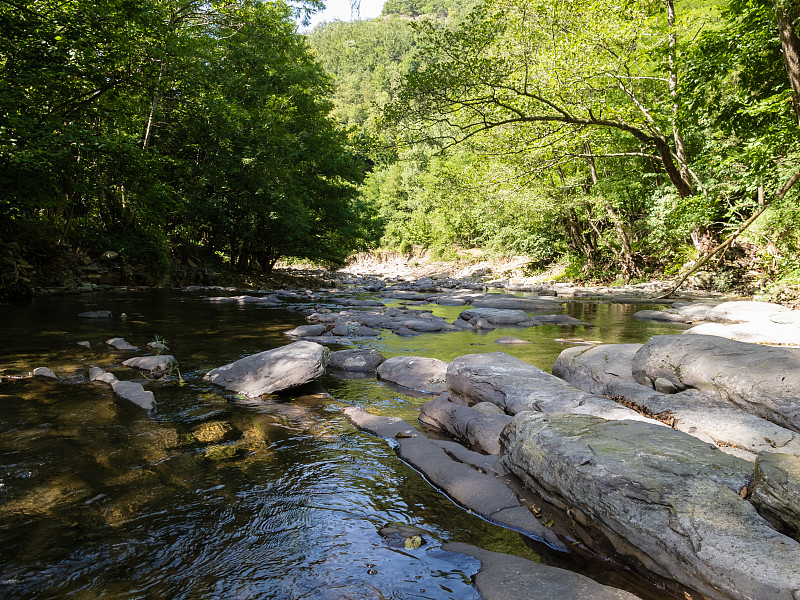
(672, 41)
(787, 13)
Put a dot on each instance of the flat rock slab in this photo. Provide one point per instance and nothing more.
(273, 370)
(161, 362)
(415, 372)
(666, 316)
(607, 370)
(517, 386)
(776, 490)
(762, 380)
(518, 302)
(119, 343)
(740, 311)
(666, 498)
(355, 360)
(135, 393)
(753, 332)
(462, 474)
(496, 316)
(507, 577)
(307, 330)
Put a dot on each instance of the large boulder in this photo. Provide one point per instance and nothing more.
(665, 498)
(762, 380)
(517, 386)
(607, 370)
(776, 490)
(415, 372)
(273, 370)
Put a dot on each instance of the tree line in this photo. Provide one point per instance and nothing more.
(155, 127)
(621, 139)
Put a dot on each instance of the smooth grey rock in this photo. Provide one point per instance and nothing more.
(341, 329)
(667, 499)
(496, 316)
(754, 332)
(517, 386)
(457, 472)
(693, 312)
(511, 340)
(308, 330)
(44, 372)
(328, 339)
(422, 325)
(776, 490)
(508, 577)
(607, 370)
(98, 374)
(450, 301)
(85, 344)
(355, 360)
(119, 343)
(161, 362)
(273, 370)
(762, 380)
(665, 386)
(660, 315)
(517, 302)
(738, 311)
(95, 314)
(481, 432)
(415, 372)
(135, 393)
(560, 320)
(364, 331)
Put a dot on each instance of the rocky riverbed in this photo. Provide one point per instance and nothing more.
(677, 457)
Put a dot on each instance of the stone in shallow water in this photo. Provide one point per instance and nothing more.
(356, 360)
(506, 577)
(95, 314)
(415, 372)
(273, 370)
(119, 343)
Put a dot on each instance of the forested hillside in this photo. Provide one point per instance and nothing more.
(620, 139)
(162, 131)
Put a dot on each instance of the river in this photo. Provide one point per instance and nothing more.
(214, 497)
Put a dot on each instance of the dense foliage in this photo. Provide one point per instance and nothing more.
(138, 126)
(619, 138)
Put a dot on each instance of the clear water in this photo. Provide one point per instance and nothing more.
(210, 497)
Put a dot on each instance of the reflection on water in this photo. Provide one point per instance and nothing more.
(214, 498)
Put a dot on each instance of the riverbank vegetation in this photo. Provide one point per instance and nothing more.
(624, 141)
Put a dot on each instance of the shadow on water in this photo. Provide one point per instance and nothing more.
(211, 497)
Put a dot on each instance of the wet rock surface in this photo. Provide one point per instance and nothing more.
(355, 360)
(666, 498)
(273, 370)
(504, 577)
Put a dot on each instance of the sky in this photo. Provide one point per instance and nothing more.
(340, 9)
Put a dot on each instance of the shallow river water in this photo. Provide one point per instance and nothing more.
(214, 497)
